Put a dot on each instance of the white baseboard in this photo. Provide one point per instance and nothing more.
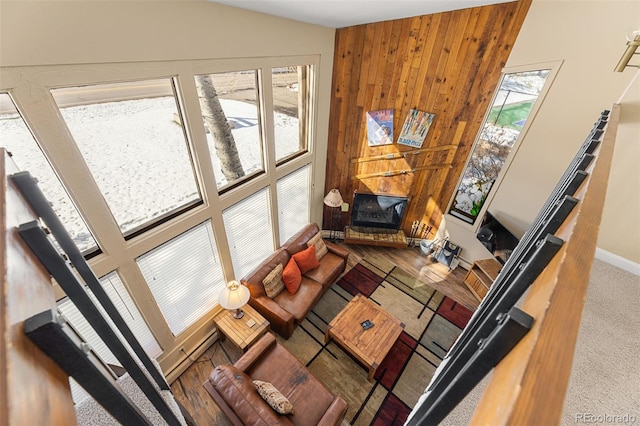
(618, 261)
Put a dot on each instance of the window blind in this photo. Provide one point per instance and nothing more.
(249, 232)
(293, 202)
(120, 297)
(184, 276)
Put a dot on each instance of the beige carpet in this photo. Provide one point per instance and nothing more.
(605, 380)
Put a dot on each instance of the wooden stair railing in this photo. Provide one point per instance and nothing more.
(528, 387)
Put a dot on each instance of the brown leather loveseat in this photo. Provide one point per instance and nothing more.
(231, 386)
(286, 311)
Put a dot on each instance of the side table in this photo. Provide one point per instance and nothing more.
(481, 275)
(236, 335)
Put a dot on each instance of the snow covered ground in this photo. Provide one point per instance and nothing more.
(138, 157)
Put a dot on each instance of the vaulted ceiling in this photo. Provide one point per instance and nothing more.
(345, 13)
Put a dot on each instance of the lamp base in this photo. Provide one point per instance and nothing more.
(237, 314)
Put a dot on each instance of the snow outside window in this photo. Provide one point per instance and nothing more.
(18, 140)
(185, 276)
(231, 115)
(291, 101)
(131, 137)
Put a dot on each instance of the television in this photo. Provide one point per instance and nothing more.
(378, 211)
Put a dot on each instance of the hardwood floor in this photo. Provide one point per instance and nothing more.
(413, 261)
(188, 388)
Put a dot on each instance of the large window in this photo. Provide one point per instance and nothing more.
(17, 139)
(187, 174)
(131, 138)
(229, 105)
(516, 97)
(293, 202)
(290, 109)
(185, 276)
(249, 230)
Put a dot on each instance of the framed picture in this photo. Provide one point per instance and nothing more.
(415, 128)
(380, 127)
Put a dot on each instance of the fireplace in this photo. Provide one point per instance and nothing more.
(377, 212)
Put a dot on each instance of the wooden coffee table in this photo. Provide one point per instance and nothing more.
(368, 346)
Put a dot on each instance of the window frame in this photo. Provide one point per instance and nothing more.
(29, 87)
(554, 68)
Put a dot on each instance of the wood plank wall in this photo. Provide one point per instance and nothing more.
(446, 63)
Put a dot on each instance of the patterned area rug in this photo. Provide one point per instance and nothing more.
(432, 323)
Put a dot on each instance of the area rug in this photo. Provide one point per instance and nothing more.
(432, 323)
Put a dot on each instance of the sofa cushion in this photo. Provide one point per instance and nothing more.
(321, 248)
(329, 270)
(273, 397)
(253, 279)
(300, 304)
(292, 276)
(238, 392)
(273, 283)
(306, 259)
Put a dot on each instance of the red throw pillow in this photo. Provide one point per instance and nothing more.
(307, 259)
(291, 276)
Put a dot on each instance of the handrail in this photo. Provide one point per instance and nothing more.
(33, 389)
(528, 387)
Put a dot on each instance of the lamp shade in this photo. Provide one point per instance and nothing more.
(235, 296)
(333, 198)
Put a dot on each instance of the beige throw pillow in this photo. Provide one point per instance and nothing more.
(273, 397)
(321, 247)
(273, 283)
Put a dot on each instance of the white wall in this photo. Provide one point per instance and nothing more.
(589, 38)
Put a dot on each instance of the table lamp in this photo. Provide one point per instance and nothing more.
(234, 297)
(333, 199)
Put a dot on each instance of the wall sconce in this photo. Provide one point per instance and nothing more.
(632, 46)
(334, 200)
(234, 297)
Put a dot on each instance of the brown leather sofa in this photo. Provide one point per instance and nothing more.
(231, 386)
(286, 311)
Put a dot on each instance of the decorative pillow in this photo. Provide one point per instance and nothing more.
(321, 247)
(292, 276)
(273, 397)
(273, 283)
(306, 259)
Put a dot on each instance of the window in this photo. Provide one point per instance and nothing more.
(293, 202)
(17, 139)
(516, 97)
(229, 106)
(185, 276)
(124, 304)
(130, 137)
(249, 231)
(291, 100)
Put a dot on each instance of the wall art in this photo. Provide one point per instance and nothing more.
(415, 128)
(380, 127)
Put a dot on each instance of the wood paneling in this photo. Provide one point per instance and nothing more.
(448, 64)
(33, 389)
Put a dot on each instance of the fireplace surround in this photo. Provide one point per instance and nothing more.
(377, 212)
